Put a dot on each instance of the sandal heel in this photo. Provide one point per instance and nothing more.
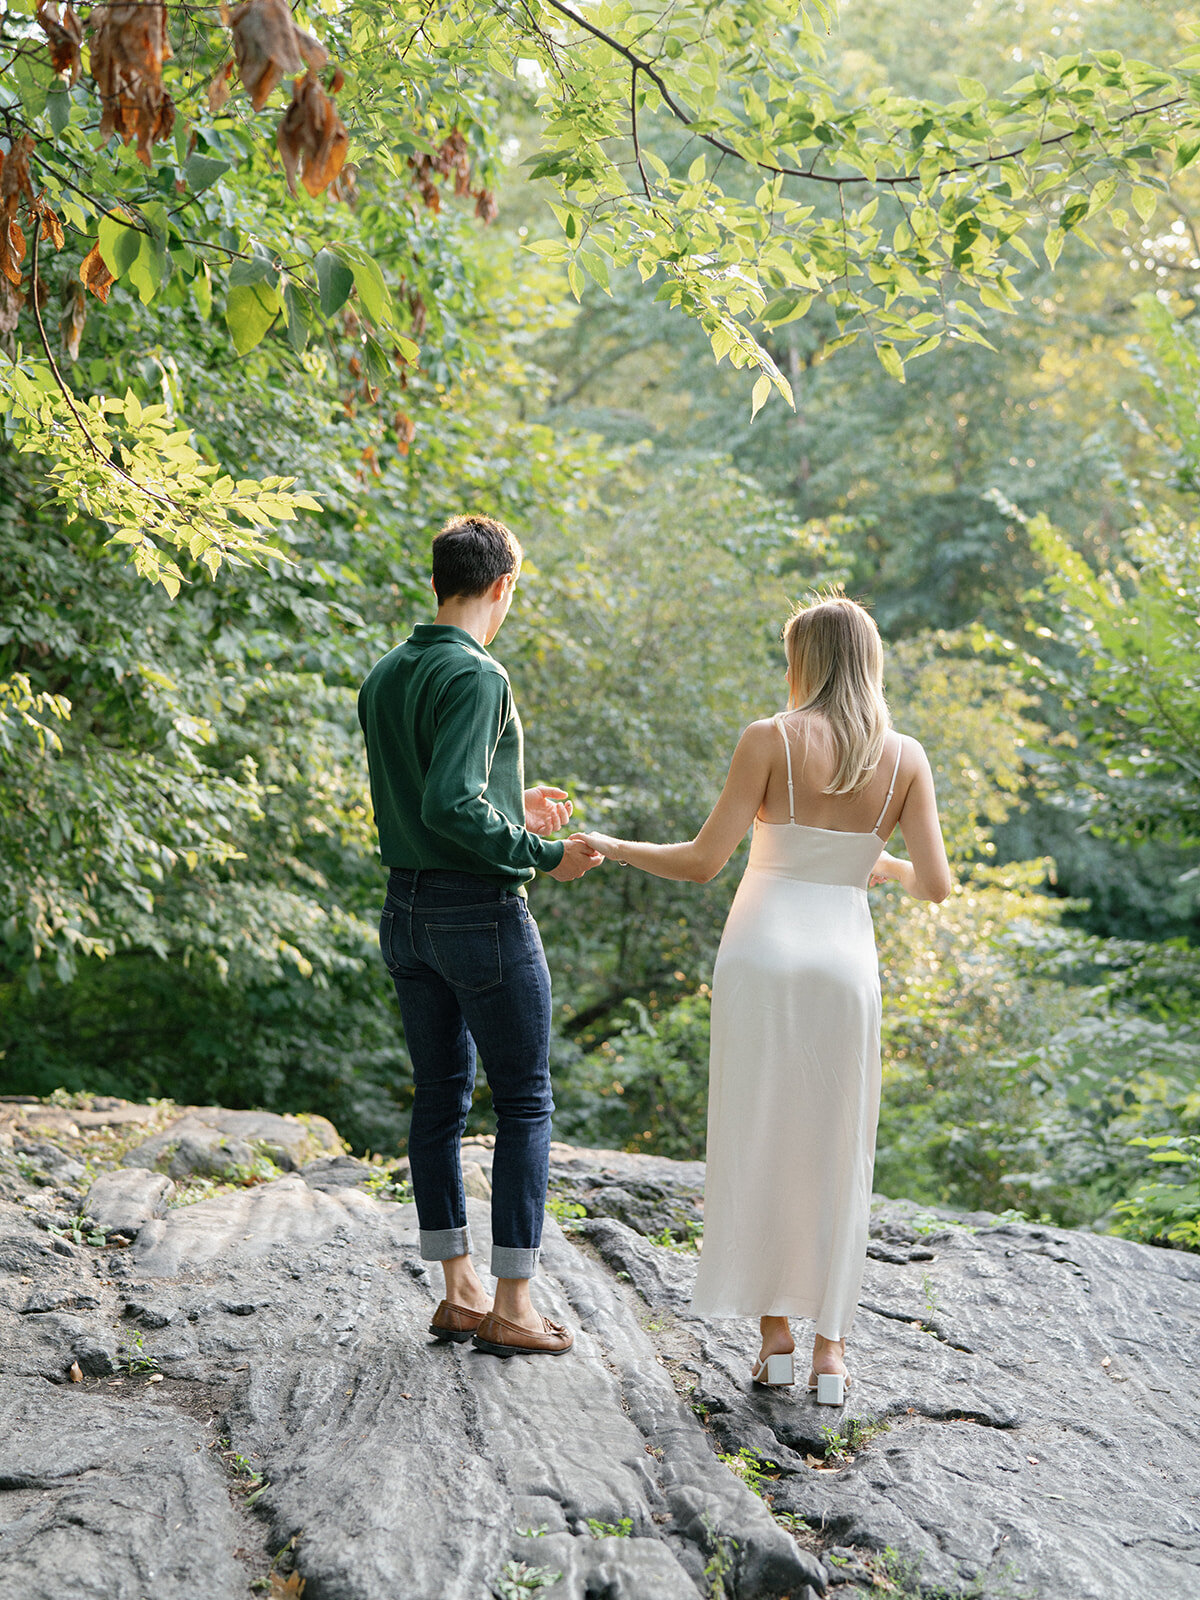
(831, 1388)
(776, 1371)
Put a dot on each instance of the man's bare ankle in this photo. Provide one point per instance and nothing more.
(514, 1305)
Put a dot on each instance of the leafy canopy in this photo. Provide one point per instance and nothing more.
(707, 144)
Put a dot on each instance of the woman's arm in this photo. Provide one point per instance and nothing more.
(926, 874)
(703, 857)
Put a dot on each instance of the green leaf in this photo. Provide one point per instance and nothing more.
(201, 172)
(335, 281)
(58, 106)
(250, 310)
(372, 290)
(758, 398)
(1145, 202)
(299, 316)
(890, 361)
(253, 269)
(150, 268)
(202, 292)
(119, 245)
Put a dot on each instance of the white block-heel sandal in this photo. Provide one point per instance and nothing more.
(831, 1388)
(775, 1372)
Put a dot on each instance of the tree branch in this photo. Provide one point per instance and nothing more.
(640, 64)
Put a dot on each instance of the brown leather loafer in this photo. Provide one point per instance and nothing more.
(454, 1324)
(501, 1338)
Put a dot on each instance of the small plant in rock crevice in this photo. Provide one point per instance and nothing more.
(843, 1443)
(520, 1582)
(135, 1357)
(722, 1561)
(610, 1530)
(754, 1470)
(79, 1230)
(563, 1211)
(383, 1184)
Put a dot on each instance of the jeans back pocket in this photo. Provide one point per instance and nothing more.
(468, 957)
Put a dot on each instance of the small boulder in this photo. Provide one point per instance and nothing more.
(124, 1201)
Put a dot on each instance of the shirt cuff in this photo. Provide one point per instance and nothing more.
(551, 853)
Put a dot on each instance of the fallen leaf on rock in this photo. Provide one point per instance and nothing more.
(75, 1372)
(74, 317)
(155, 1377)
(292, 1586)
(64, 31)
(129, 45)
(1106, 1361)
(268, 45)
(94, 275)
(1032, 1460)
(312, 138)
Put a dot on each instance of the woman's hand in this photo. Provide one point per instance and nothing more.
(889, 869)
(602, 843)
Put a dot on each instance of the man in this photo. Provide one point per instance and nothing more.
(462, 837)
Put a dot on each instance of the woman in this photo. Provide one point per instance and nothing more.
(795, 1071)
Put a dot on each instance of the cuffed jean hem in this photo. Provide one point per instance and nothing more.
(509, 1262)
(443, 1244)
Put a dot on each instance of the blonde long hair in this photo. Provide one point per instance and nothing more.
(835, 667)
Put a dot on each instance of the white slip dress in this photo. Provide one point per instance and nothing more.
(794, 1079)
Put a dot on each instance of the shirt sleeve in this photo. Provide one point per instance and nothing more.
(473, 711)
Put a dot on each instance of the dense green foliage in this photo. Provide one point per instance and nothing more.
(188, 882)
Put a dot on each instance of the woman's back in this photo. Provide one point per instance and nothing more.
(805, 744)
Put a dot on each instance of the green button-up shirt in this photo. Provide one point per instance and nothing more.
(446, 756)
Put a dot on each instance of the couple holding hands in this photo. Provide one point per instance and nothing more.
(795, 1066)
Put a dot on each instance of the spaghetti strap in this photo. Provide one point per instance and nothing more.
(787, 750)
(891, 786)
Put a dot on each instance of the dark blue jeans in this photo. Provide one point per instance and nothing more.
(470, 973)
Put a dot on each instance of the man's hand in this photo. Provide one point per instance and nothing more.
(578, 858)
(546, 809)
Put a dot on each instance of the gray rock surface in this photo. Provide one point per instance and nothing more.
(257, 1385)
(125, 1200)
(211, 1142)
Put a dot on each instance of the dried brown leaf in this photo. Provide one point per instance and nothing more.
(289, 1588)
(312, 138)
(75, 1372)
(10, 307)
(94, 275)
(12, 251)
(268, 45)
(74, 317)
(64, 32)
(406, 431)
(15, 180)
(486, 208)
(128, 47)
(52, 228)
(218, 89)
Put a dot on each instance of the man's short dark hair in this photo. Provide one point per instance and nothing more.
(470, 553)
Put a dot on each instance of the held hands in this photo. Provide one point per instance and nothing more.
(602, 843)
(578, 858)
(546, 809)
